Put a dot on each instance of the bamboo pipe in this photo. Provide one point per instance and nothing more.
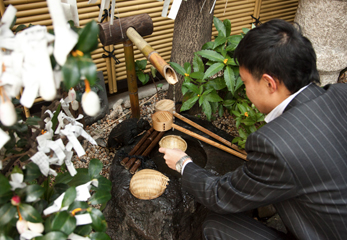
(208, 132)
(146, 152)
(137, 146)
(131, 78)
(140, 151)
(164, 69)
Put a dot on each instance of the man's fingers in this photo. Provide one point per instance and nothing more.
(162, 150)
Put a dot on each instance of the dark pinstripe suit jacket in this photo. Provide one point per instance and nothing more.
(298, 162)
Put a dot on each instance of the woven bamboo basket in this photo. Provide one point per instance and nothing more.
(148, 184)
(173, 141)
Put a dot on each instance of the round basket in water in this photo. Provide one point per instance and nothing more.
(148, 184)
(173, 141)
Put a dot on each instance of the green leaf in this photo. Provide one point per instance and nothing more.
(211, 55)
(220, 110)
(4, 237)
(154, 73)
(64, 222)
(141, 64)
(87, 69)
(160, 85)
(33, 192)
(219, 41)
(98, 220)
(29, 213)
(32, 171)
(7, 212)
(20, 28)
(100, 197)
(215, 68)
(56, 235)
(217, 83)
(187, 67)
(104, 184)
(63, 178)
(69, 197)
(189, 103)
(197, 75)
(5, 185)
(83, 230)
(241, 108)
(71, 73)
(77, 204)
(177, 68)
(184, 90)
(242, 133)
(229, 102)
(5, 197)
(192, 87)
(95, 167)
(99, 236)
(88, 37)
(227, 25)
(236, 113)
(141, 76)
(219, 26)
(229, 78)
(208, 45)
(245, 30)
(80, 178)
(60, 188)
(198, 65)
(239, 83)
(54, 120)
(206, 108)
(21, 143)
(40, 205)
(213, 97)
(33, 121)
(235, 39)
(16, 169)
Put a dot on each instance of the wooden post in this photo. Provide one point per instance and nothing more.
(131, 77)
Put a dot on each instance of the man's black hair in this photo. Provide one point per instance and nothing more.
(279, 49)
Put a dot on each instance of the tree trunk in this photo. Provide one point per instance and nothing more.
(191, 31)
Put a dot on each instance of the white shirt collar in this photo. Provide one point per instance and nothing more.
(277, 111)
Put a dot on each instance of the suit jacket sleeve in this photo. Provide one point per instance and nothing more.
(264, 179)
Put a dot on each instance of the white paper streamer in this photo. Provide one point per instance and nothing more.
(29, 235)
(74, 12)
(165, 8)
(73, 236)
(174, 9)
(83, 219)
(65, 38)
(17, 181)
(68, 163)
(4, 138)
(42, 161)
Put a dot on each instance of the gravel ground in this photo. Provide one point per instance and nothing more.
(101, 129)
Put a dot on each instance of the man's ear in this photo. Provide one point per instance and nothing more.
(270, 82)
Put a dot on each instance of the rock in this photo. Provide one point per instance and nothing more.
(174, 214)
(118, 103)
(127, 104)
(101, 142)
(324, 23)
(276, 223)
(117, 112)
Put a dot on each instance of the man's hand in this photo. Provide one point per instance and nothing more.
(172, 156)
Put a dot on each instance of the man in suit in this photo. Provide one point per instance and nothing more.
(297, 161)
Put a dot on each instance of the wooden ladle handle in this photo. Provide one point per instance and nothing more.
(206, 140)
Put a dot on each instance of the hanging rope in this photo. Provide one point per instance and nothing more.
(110, 54)
(257, 20)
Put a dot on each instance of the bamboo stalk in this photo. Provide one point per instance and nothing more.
(163, 68)
(137, 146)
(136, 165)
(208, 132)
(2, 8)
(140, 151)
(206, 140)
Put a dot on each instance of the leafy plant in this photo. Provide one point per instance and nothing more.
(219, 87)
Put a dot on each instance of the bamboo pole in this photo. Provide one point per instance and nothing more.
(257, 6)
(208, 132)
(137, 146)
(2, 8)
(163, 68)
(131, 77)
(141, 150)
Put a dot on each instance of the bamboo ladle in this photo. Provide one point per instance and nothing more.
(163, 121)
